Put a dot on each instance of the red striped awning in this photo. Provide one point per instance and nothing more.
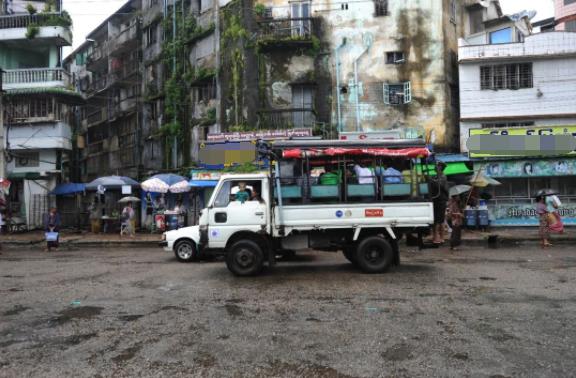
(410, 153)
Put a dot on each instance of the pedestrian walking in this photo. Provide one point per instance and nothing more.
(544, 218)
(455, 217)
(95, 215)
(127, 226)
(52, 229)
(440, 195)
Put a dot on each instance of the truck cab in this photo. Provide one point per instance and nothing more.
(308, 201)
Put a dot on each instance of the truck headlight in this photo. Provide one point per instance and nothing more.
(163, 236)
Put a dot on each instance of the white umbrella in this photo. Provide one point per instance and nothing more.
(155, 185)
(128, 199)
(459, 189)
(179, 187)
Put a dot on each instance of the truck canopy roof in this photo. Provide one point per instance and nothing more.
(402, 148)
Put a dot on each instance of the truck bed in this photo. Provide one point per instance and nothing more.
(395, 214)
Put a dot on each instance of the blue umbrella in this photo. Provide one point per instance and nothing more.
(68, 188)
(111, 182)
(170, 178)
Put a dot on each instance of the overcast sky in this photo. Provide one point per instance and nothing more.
(88, 14)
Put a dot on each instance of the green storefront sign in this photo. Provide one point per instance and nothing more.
(530, 168)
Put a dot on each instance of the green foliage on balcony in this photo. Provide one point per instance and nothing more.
(62, 19)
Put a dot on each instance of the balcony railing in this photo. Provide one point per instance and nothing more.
(24, 20)
(22, 78)
(32, 109)
(286, 118)
(123, 40)
(97, 56)
(288, 29)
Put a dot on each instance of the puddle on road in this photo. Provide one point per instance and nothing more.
(398, 352)
(233, 310)
(15, 310)
(127, 354)
(69, 314)
(129, 318)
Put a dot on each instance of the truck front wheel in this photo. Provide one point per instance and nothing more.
(185, 251)
(245, 258)
(374, 254)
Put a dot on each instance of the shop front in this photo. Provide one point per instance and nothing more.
(512, 202)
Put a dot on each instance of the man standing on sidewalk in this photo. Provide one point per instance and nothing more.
(440, 194)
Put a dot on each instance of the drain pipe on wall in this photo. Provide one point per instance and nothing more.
(337, 54)
(367, 41)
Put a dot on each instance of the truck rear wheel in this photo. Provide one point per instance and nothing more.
(374, 254)
(245, 258)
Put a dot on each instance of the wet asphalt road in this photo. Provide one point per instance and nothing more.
(96, 313)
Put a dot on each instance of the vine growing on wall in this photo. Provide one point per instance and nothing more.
(232, 41)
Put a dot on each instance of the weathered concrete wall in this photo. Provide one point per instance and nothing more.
(420, 28)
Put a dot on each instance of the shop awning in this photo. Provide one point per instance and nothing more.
(202, 183)
(68, 188)
(457, 168)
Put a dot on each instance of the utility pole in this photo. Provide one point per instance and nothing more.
(2, 143)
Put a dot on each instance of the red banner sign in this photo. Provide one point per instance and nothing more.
(374, 213)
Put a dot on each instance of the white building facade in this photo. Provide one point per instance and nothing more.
(527, 87)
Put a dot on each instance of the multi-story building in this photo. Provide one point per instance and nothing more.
(516, 83)
(37, 101)
(108, 71)
(565, 14)
(358, 66)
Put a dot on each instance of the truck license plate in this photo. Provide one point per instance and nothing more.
(373, 213)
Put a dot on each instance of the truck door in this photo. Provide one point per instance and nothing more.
(231, 212)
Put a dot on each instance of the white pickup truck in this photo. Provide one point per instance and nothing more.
(274, 218)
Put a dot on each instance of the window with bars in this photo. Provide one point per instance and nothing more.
(397, 94)
(506, 76)
(27, 159)
(380, 8)
(570, 26)
(395, 57)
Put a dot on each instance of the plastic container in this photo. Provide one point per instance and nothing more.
(171, 221)
(471, 216)
(483, 218)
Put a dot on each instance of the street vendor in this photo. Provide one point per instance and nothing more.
(440, 195)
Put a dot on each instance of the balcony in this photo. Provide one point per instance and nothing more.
(28, 110)
(52, 28)
(96, 117)
(126, 40)
(98, 58)
(282, 32)
(280, 119)
(36, 78)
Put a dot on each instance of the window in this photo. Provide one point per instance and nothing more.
(395, 57)
(501, 36)
(453, 11)
(397, 94)
(380, 8)
(566, 2)
(300, 13)
(490, 125)
(570, 26)
(27, 159)
(476, 21)
(153, 3)
(151, 34)
(506, 76)
(302, 105)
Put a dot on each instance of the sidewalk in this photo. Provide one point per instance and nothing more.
(83, 239)
(70, 239)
